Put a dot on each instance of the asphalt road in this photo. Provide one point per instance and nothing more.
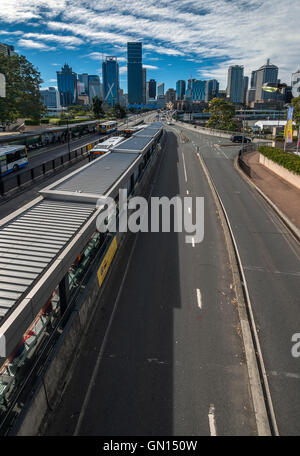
(271, 262)
(170, 362)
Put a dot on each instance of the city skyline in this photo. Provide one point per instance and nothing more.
(181, 38)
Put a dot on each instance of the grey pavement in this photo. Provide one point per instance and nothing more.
(271, 260)
(173, 361)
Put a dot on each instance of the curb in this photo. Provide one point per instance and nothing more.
(288, 223)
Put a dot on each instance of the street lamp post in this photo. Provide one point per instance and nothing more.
(68, 133)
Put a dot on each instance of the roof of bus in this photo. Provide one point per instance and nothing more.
(109, 122)
(9, 149)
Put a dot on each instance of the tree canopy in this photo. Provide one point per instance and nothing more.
(296, 105)
(97, 108)
(222, 114)
(22, 89)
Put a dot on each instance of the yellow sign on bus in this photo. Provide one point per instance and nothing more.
(102, 271)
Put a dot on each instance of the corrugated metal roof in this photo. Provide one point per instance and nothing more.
(30, 242)
(148, 131)
(97, 177)
(134, 144)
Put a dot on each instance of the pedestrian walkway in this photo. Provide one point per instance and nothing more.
(284, 195)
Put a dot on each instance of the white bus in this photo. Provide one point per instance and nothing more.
(12, 158)
(105, 146)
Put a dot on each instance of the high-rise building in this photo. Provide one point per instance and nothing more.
(152, 88)
(211, 89)
(94, 87)
(84, 79)
(161, 101)
(110, 75)
(161, 88)
(180, 89)
(50, 98)
(296, 83)
(67, 86)
(190, 83)
(144, 85)
(134, 73)
(266, 74)
(7, 49)
(250, 96)
(253, 80)
(198, 90)
(171, 96)
(235, 84)
(245, 88)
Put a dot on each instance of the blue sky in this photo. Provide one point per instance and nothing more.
(180, 37)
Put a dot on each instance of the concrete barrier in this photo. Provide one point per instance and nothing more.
(284, 173)
(220, 133)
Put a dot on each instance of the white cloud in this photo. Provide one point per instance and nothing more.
(237, 31)
(62, 39)
(151, 67)
(30, 44)
(123, 69)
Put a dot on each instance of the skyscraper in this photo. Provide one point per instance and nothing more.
(296, 83)
(180, 89)
(67, 86)
(266, 74)
(144, 85)
(253, 80)
(211, 89)
(245, 88)
(171, 96)
(94, 87)
(50, 98)
(161, 88)
(110, 75)
(198, 90)
(134, 73)
(235, 84)
(84, 79)
(152, 88)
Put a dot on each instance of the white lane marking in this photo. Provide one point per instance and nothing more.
(199, 298)
(193, 242)
(223, 153)
(187, 192)
(184, 168)
(212, 421)
(189, 210)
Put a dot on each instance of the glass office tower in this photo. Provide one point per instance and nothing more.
(180, 89)
(110, 76)
(67, 86)
(134, 73)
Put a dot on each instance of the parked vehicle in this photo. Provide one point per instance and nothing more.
(239, 139)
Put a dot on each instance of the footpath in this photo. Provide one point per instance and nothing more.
(284, 195)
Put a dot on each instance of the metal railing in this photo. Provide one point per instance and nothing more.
(28, 176)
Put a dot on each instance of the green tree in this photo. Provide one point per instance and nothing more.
(222, 114)
(22, 90)
(97, 108)
(119, 111)
(296, 105)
